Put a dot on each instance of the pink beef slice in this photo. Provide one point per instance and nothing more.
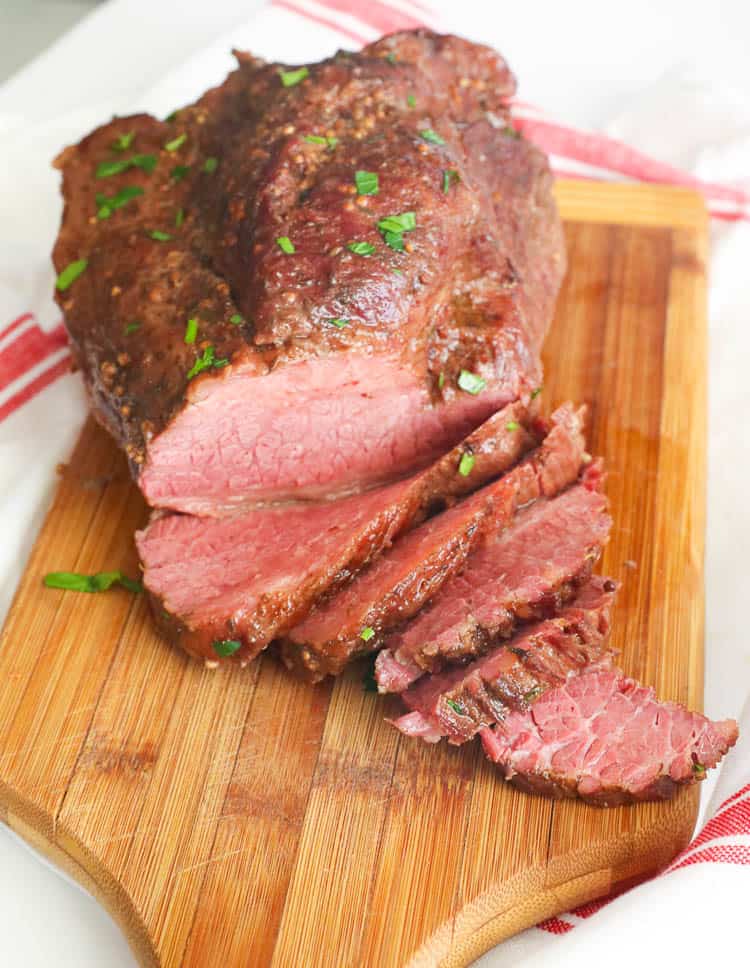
(261, 570)
(458, 702)
(603, 737)
(319, 372)
(397, 584)
(524, 572)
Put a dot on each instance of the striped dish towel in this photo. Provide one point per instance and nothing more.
(42, 407)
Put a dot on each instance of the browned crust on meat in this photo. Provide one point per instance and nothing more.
(448, 310)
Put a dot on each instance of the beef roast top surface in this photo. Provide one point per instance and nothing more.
(195, 218)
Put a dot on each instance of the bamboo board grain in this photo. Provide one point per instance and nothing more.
(240, 818)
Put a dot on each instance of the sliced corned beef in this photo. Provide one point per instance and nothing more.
(603, 737)
(258, 572)
(402, 579)
(517, 574)
(461, 700)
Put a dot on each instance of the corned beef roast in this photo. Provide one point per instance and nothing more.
(310, 308)
(312, 280)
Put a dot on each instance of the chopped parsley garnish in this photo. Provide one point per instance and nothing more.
(536, 393)
(179, 217)
(172, 117)
(397, 272)
(70, 273)
(450, 175)
(441, 380)
(101, 582)
(318, 139)
(512, 425)
(366, 182)
(393, 227)
(179, 172)
(432, 136)
(286, 244)
(361, 248)
(699, 769)
(132, 328)
(210, 165)
(398, 223)
(339, 323)
(533, 694)
(207, 361)
(391, 58)
(367, 633)
(290, 78)
(158, 236)
(105, 206)
(470, 382)
(466, 466)
(123, 142)
(511, 132)
(106, 169)
(411, 101)
(191, 330)
(236, 320)
(176, 143)
(226, 647)
(456, 706)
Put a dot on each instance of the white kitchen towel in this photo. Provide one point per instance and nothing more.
(686, 127)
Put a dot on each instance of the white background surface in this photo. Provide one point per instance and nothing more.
(584, 63)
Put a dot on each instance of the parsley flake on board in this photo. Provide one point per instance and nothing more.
(176, 143)
(226, 647)
(536, 393)
(179, 217)
(132, 328)
(290, 78)
(70, 273)
(466, 466)
(105, 206)
(431, 136)
(411, 101)
(470, 382)
(102, 581)
(366, 182)
(361, 248)
(179, 172)
(210, 165)
(236, 319)
(158, 236)
(207, 361)
(106, 169)
(315, 139)
(285, 244)
(367, 633)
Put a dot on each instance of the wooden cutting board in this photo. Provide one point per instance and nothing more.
(241, 818)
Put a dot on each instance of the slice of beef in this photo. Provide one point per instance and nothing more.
(404, 578)
(523, 573)
(251, 576)
(603, 737)
(458, 702)
(329, 351)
